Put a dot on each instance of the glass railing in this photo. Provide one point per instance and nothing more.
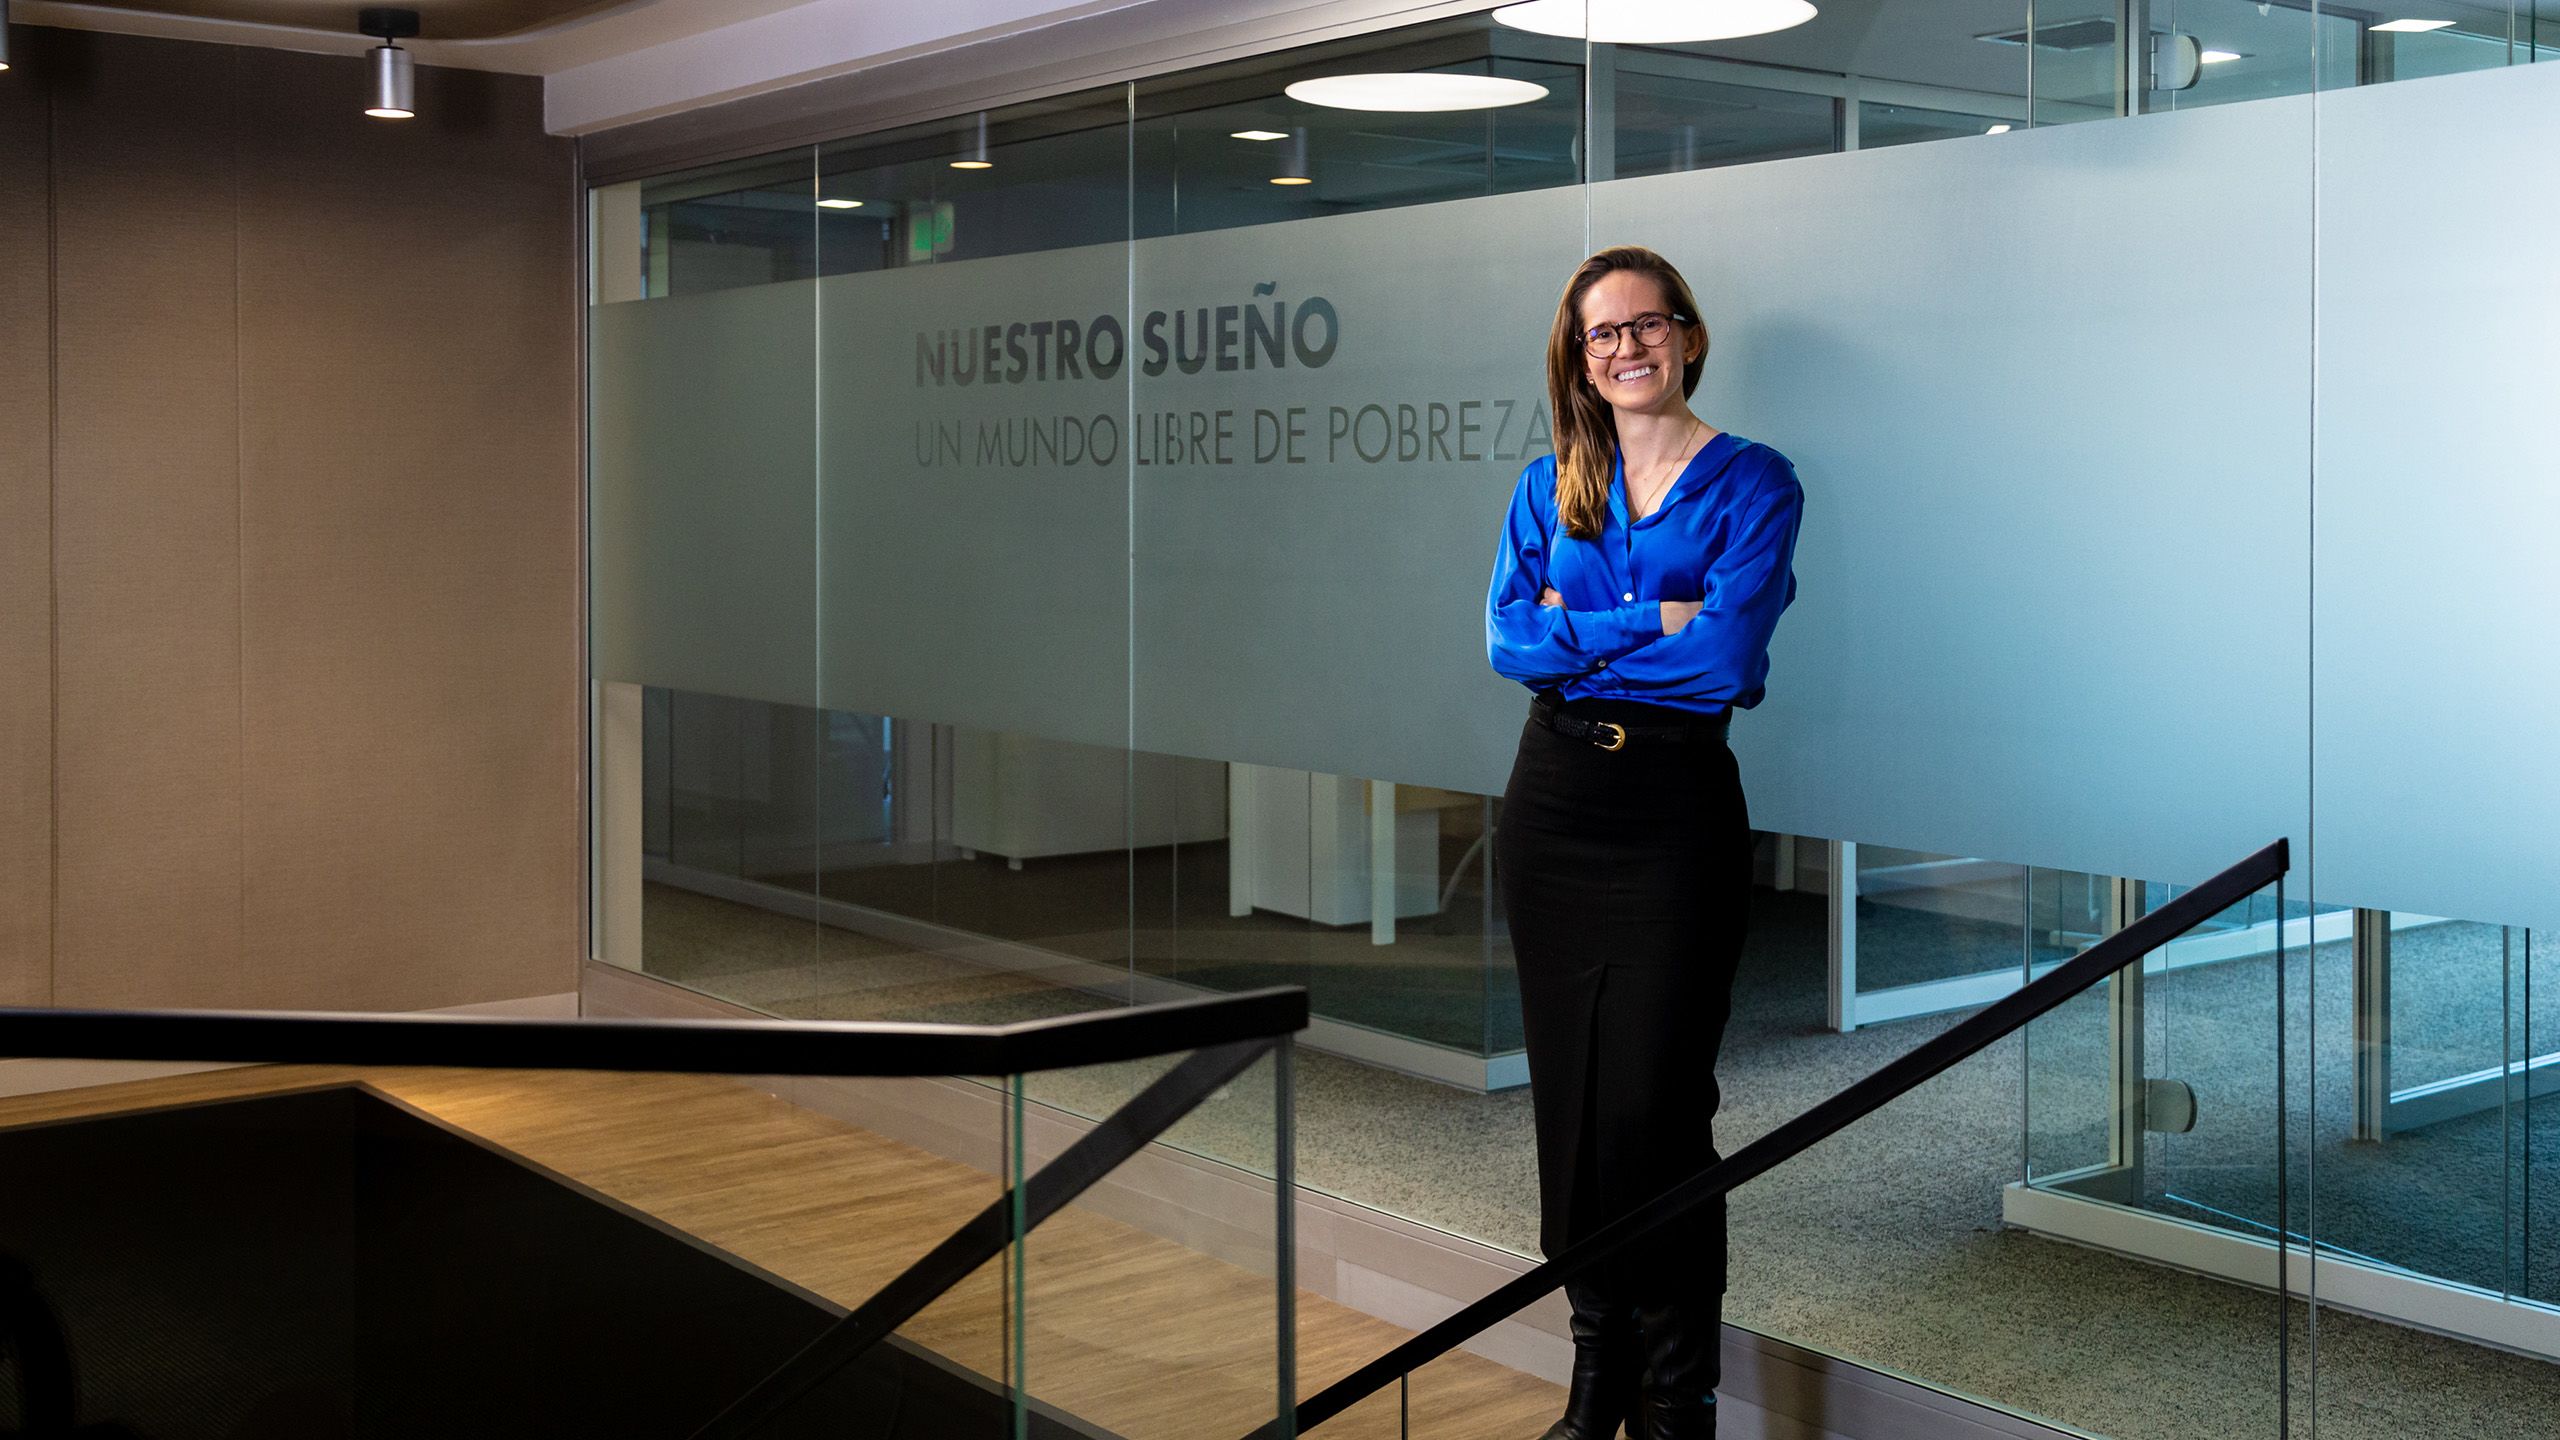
(2009, 1309)
(399, 1225)
(1145, 677)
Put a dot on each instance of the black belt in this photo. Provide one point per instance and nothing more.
(1612, 735)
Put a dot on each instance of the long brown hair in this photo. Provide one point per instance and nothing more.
(1586, 428)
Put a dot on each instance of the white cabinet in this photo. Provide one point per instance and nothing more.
(1023, 797)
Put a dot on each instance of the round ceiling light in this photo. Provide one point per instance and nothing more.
(1654, 22)
(1417, 91)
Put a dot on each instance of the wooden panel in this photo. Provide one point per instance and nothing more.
(146, 521)
(26, 544)
(409, 515)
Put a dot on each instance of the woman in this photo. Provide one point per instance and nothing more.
(1643, 567)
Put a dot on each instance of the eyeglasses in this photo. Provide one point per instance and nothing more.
(1651, 328)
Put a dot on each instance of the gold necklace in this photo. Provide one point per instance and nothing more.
(1670, 472)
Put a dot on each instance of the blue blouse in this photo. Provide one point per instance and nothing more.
(1724, 535)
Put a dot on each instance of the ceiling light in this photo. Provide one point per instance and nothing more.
(1418, 91)
(2217, 57)
(2411, 27)
(1654, 22)
(393, 94)
(976, 159)
(1259, 135)
(835, 204)
(1997, 130)
(1293, 167)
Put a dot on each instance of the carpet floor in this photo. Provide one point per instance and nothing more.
(1884, 1244)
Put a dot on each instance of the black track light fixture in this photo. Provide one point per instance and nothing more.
(394, 89)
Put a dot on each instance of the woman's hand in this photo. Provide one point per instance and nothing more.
(1549, 596)
(1676, 613)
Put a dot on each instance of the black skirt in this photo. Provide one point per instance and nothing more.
(1626, 878)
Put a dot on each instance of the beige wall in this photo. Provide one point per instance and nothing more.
(298, 616)
(26, 505)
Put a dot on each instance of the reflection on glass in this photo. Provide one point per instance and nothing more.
(2159, 1091)
(2255, 52)
(742, 223)
(1670, 118)
(1040, 176)
(899, 847)
(1924, 917)
(1204, 162)
(1143, 1335)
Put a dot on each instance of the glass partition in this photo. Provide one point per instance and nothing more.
(1050, 575)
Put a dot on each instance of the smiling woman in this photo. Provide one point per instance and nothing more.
(1641, 572)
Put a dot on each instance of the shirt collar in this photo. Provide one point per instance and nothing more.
(1709, 459)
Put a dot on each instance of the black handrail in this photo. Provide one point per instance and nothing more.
(1226, 1034)
(1898, 1077)
(712, 1047)
(1005, 1219)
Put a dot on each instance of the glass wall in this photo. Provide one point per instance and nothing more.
(1039, 562)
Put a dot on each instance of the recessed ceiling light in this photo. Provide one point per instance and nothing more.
(1417, 91)
(2411, 27)
(1291, 180)
(1259, 135)
(1997, 130)
(834, 204)
(973, 164)
(2217, 57)
(1654, 22)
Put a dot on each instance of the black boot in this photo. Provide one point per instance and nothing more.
(1681, 1358)
(1606, 1363)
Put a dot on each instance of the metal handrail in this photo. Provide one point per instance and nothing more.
(1898, 1077)
(1225, 1035)
(713, 1047)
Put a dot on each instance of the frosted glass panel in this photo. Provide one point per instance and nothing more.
(2053, 573)
(1314, 532)
(2439, 338)
(975, 516)
(2054, 565)
(704, 506)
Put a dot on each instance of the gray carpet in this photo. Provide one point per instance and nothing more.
(1884, 1244)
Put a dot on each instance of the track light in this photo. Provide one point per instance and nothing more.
(1293, 170)
(394, 84)
(976, 159)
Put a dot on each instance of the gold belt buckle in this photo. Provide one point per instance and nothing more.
(1617, 736)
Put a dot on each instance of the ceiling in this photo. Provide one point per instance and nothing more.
(438, 19)
(533, 37)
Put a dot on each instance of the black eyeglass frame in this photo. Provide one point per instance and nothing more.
(1619, 330)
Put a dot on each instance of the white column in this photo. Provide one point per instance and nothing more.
(2128, 1076)
(2369, 999)
(1382, 862)
(614, 230)
(1240, 832)
(1844, 935)
(621, 791)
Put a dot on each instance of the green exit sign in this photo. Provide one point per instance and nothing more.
(929, 228)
